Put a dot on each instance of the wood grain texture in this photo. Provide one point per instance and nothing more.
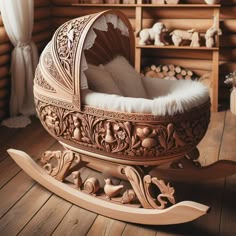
(47, 218)
(138, 231)
(14, 190)
(106, 226)
(76, 222)
(23, 210)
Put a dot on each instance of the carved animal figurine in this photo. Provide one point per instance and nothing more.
(77, 179)
(179, 35)
(109, 138)
(112, 190)
(128, 196)
(210, 35)
(153, 34)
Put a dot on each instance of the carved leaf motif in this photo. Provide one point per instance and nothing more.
(137, 185)
(143, 188)
(63, 162)
(127, 138)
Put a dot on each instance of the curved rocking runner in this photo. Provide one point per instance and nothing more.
(179, 213)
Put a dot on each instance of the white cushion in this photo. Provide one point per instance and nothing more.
(99, 80)
(126, 77)
(168, 98)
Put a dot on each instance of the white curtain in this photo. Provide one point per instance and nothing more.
(18, 19)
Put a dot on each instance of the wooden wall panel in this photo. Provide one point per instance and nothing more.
(5, 58)
(43, 29)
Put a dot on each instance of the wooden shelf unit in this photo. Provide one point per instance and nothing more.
(211, 11)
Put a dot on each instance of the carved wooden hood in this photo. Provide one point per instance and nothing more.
(95, 39)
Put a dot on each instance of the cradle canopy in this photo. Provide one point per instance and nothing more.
(98, 38)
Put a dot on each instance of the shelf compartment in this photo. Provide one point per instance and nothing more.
(178, 48)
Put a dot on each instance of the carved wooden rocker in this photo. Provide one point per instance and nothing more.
(130, 142)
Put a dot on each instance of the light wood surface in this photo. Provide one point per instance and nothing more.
(220, 194)
(179, 213)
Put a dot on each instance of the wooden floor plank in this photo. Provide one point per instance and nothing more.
(23, 211)
(14, 190)
(34, 146)
(138, 230)
(47, 219)
(21, 139)
(8, 170)
(76, 222)
(209, 147)
(6, 133)
(228, 151)
(32, 139)
(228, 216)
(106, 227)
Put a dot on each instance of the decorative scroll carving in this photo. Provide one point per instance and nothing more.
(57, 163)
(143, 186)
(49, 64)
(131, 139)
(53, 102)
(67, 37)
(39, 80)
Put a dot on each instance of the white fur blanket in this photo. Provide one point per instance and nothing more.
(165, 98)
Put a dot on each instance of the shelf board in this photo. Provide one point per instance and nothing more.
(148, 5)
(177, 48)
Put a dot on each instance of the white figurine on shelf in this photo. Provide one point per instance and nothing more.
(153, 34)
(211, 33)
(209, 36)
(178, 36)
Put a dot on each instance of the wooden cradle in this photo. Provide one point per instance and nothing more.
(128, 146)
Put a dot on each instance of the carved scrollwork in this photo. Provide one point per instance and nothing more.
(68, 36)
(57, 163)
(49, 65)
(143, 187)
(39, 80)
(130, 139)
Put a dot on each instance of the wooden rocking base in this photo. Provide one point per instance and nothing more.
(178, 213)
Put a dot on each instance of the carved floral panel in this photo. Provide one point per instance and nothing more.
(130, 139)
